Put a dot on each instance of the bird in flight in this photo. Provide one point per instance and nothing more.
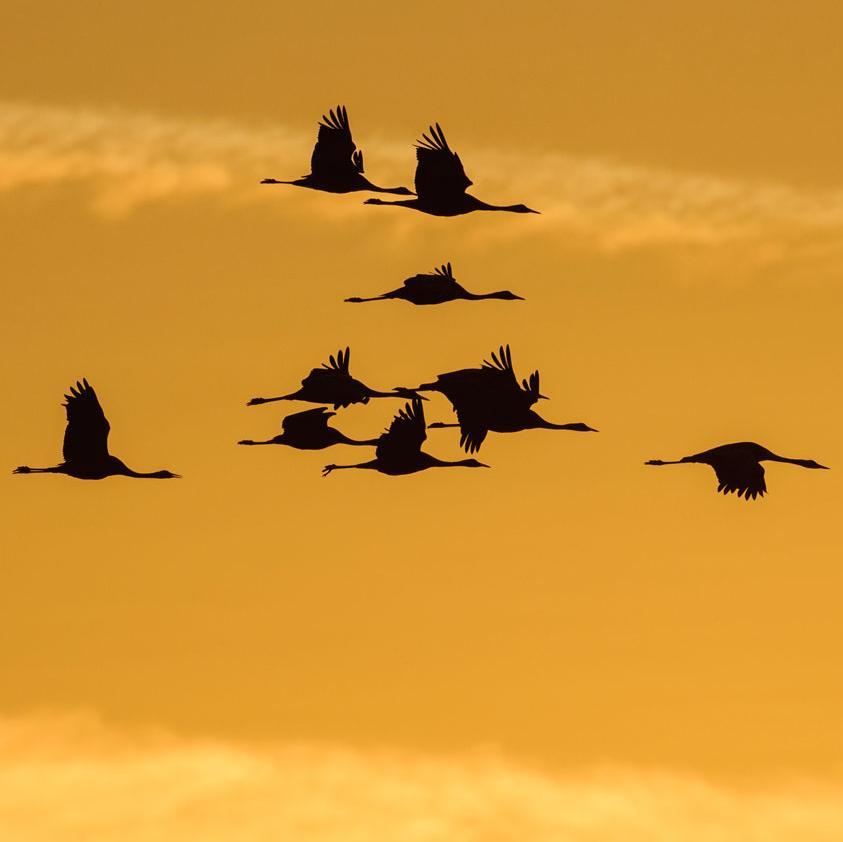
(490, 398)
(333, 384)
(336, 165)
(399, 448)
(85, 448)
(309, 430)
(441, 182)
(738, 466)
(436, 288)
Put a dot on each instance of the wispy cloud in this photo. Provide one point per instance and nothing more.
(70, 778)
(127, 159)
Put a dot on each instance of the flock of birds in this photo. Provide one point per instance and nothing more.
(487, 398)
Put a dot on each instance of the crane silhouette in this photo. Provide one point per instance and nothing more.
(738, 466)
(399, 448)
(85, 447)
(490, 398)
(436, 288)
(309, 430)
(336, 165)
(333, 384)
(441, 182)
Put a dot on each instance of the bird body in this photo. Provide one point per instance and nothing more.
(333, 384)
(85, 447)
(738, 466)
(441, 182)
(438, 287)
(309, 430)
(399, 452)
(336, 165)
(489, 398)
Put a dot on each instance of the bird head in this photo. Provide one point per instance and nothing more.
(506, 295)
(403, 191)
(472, 463)
(165, 475)
(810, 463)
(523, 209)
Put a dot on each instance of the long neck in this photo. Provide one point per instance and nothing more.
(399, 393)
(803, 463)
(549, 425)
(485, 295)
(404, 203)
(444, 463)
(343, 439)
(125, 471)
(485, 206)
(401, 191)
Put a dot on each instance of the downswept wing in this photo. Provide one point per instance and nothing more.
(86, 435)
(307, 421)
(745, 477)
(440, 277)
(440, 177)
(334, 154)
(405, 435)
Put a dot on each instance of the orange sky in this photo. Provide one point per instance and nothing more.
(569, 607)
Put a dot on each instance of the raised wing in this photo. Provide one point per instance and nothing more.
(440, 177)
(336, 366)
(334, 154)
(405, 434)
(744, 477)
(86, 436)
(307, 421)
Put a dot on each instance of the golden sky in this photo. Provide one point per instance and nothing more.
(569, 610)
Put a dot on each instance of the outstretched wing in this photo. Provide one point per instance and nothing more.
(336, 365)
(334, 153)
(405, 434)
(86, 436)
(744, 477)
(307, 421)
(440, 176)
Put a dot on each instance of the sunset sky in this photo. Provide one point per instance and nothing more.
(569, 646)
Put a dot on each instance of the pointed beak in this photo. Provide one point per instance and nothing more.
(824, 467)
(543, 397)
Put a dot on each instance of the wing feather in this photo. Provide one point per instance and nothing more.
(86, 435)
(335, 153)
(440, 177)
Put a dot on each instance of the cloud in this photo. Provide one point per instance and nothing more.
(126, 160)
(71, 778)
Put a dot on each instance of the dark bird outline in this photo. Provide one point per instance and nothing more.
(85, 447)
(336, 165)
(309, 430)
(490, 399)
(441, 182)
(399, 449)
(437, 287)
(333, 384)
(738, 466)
